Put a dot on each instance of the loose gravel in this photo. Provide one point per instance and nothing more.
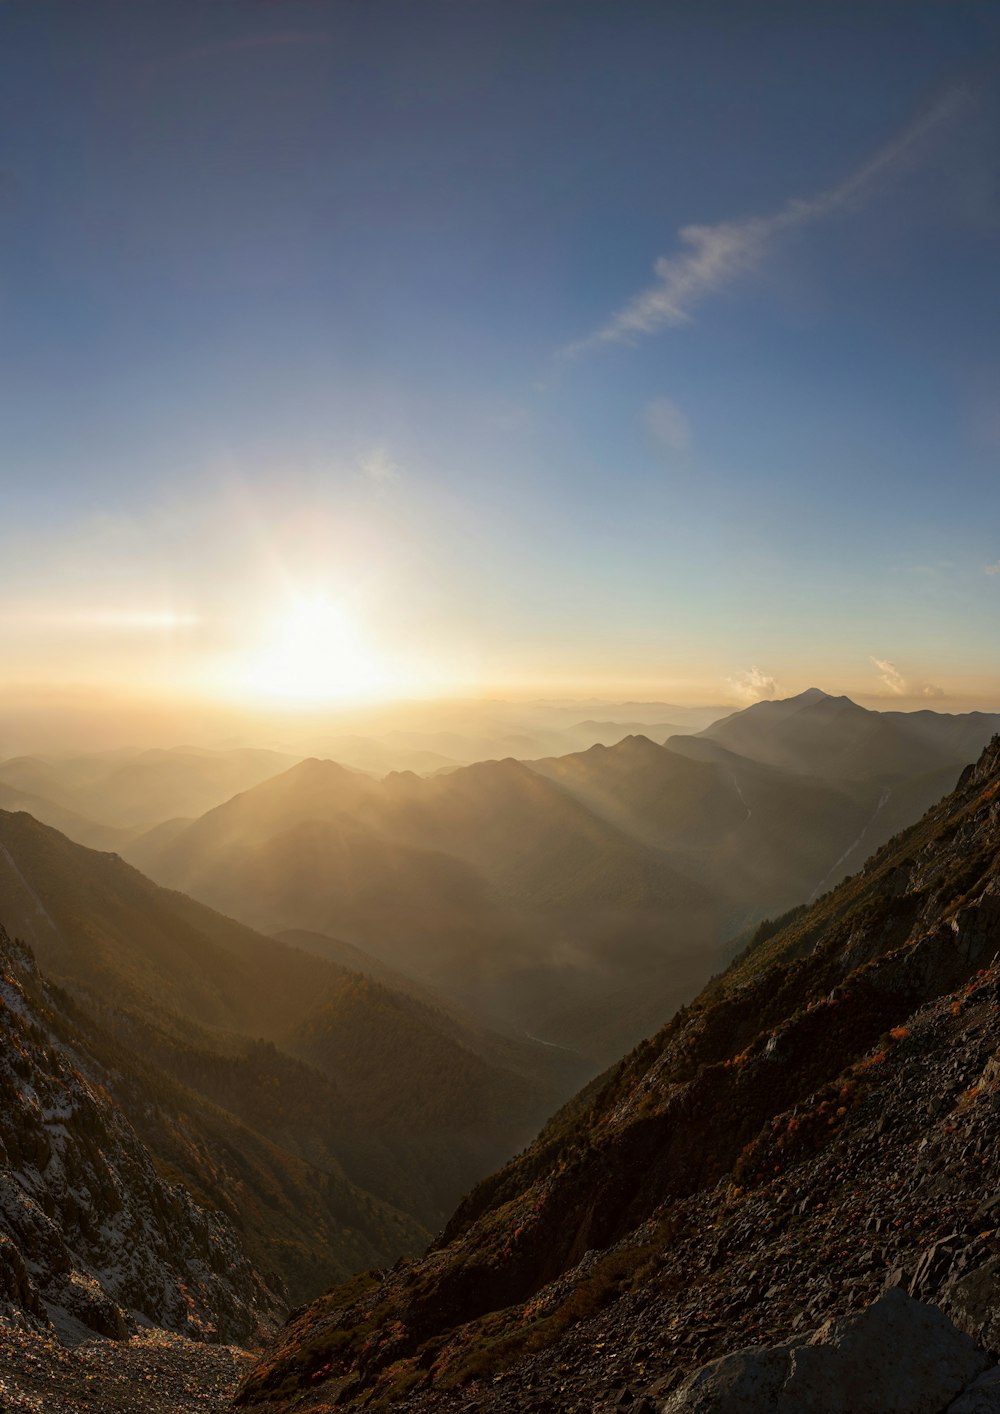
(156, 1372)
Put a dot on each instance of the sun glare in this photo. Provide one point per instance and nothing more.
(316, 651)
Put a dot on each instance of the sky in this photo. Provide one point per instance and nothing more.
(358, 351)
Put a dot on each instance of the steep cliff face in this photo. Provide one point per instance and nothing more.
(826, 1114)
(89, 1229)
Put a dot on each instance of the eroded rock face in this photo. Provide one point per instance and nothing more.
(88, 1228)
(972, 1300)
(900, 1356)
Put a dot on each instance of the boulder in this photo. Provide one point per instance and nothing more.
(899, 1356)
(972, 1300)
(981, 1397)
(746, 1382)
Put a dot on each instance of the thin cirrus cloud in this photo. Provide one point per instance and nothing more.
(894, 682)
(101, 620)
(711, 257)
(992, 569)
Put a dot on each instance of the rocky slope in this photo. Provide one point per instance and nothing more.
(90, 1232)
(153, 1372)
(823, 1121)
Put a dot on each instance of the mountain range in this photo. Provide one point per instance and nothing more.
(103, 799)
(491, 884)
(581, 897)
(817, 1128)
(332, 1004)
(819, 735)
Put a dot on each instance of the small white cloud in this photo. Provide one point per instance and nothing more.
(754, 686)
(894, 681)
(890, 676)
(378, 466)
(992, 569)
(669, 425)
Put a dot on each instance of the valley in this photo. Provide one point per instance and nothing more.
(812, 1130)
(413, 975)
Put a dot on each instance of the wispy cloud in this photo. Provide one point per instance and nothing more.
(99, 620)
(378, 466)
(709, 258)
(992, 569)
(668, 424)
(890, 676)
(754, 686)
(894, 682)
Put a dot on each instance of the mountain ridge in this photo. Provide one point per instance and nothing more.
(491, 882)
(794, 1085)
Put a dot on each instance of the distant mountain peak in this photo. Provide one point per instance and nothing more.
(636, 745)
(786, 706)
(316, 768)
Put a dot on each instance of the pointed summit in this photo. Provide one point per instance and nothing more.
(636, 746)
(819, 735)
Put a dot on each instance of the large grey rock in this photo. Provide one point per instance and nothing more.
(899, 1356)
(982, 1396)
(972, 1300)
(746, 1382)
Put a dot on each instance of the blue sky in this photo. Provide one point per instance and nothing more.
(639, 347)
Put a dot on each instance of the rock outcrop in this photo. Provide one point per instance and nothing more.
(90, 1232)
(899, 1356)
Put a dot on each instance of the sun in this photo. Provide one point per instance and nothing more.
(315, 650)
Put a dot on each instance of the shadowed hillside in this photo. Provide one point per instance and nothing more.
(760, 838)
(491, 883)
(322, 1171)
